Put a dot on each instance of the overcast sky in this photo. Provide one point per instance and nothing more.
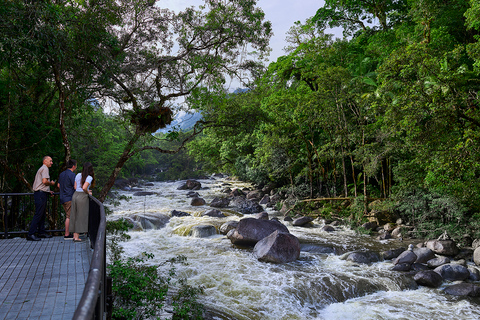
(282, 14)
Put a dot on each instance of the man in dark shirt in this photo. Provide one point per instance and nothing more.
(66, 182)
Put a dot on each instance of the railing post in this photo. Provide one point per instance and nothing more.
(5, 222)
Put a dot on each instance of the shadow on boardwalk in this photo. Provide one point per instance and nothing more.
(42, 279)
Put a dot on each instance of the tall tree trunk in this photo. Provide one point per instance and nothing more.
(354, 177)
(345, 185)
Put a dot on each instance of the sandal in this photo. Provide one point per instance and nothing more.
(79, 240)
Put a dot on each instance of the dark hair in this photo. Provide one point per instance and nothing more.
(87, 171)
(71, 163)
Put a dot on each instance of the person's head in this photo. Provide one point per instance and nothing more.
(47, 160)
(88, 171)
(72, 164)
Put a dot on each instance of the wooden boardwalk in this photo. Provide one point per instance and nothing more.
(42, 280)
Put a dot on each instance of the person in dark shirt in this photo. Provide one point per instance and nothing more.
(66, 183)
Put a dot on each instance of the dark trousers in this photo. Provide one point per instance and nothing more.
(38, 221)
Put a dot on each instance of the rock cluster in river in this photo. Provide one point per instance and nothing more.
(434, 262)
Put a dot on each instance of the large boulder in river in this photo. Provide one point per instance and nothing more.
(190, 185)
(408, 257)
(453, 272)
(364, 257)
(428, 278)
(250, 230)
(443, 247)
(476, 256)
(302, 221)
(437, 262)
(218, 202)
(150, 221)
(203, 231)
(278, 247)
(176, 213)
(392, 254)
(474, 273)
(246, 206)
(463, 289)
(215, 213)
(423, 254)
(197, 202)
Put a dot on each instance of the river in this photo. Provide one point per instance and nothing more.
(319, 285)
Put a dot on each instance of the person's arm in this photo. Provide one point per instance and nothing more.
(75, 186)
(85, 188)
(46, 182)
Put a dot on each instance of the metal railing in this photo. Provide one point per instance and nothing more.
(92, 305)
(17, 210)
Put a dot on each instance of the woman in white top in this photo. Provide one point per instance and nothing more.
(80, 201)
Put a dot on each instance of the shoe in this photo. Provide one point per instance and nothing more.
(32, 238)
(44, 235)
(69, 237)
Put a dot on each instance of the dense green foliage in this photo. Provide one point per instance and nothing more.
(390, 112)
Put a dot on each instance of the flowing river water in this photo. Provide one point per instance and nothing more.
(319, 285)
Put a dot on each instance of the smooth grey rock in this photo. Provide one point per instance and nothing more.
(392, 254)
(423, 254)
(402, 267)
(214, 213)
(474, 273)
(428, 278)
(476, 256)
(218, 202)
(190, 185)
(203, 231)
(407, 256)
(365, 257)
(197, 202)
(246, 206)
(150, 221)
(328, 228)
(437, 262)
(250, 230)
(419, 267)
(176, 213)
(278, 247)
(463, 289)
(302, 221)
(192, 194)
(453, 272)
(443, 247)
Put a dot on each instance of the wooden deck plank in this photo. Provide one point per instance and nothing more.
(42, 279)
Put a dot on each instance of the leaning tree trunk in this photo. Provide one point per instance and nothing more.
(123, 158)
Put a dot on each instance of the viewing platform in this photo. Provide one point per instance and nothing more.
(42, 280)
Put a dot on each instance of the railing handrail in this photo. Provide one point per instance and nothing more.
(94, 291)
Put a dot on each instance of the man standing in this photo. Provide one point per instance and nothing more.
(66, 182)
(41, 189)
